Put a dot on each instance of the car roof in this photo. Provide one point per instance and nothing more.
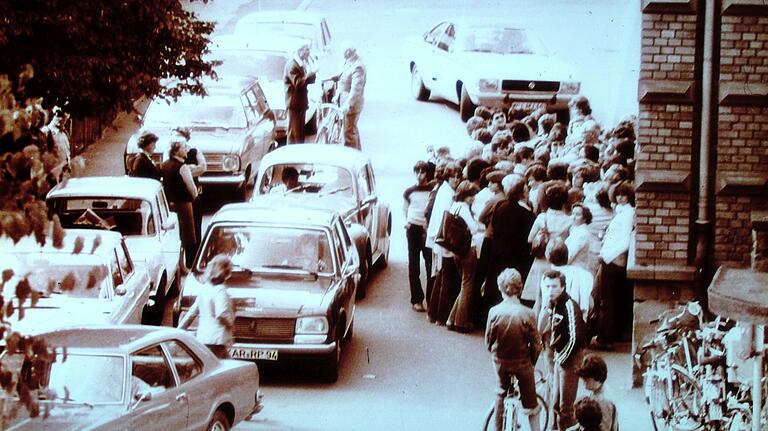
(108, 240)
(115, 338)
(337, 155)
(121, 187)
(274, 210)
(282, 16)
(481, 21)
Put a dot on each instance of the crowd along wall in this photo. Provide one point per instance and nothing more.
(669, 171)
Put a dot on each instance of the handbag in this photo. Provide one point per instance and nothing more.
(454, 234)
(540, 240)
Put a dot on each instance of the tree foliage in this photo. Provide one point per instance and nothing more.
(101, 54)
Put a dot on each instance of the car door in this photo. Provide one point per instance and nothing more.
(166, 407)
(168, 234)
(345, 252)
(427, 55)
(133, 293)
(199, 390)
(443, 82)
(367, 205)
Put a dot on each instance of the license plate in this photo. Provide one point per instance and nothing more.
(528, 106)
(253, 354)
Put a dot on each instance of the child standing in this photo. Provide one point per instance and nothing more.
(593, 373)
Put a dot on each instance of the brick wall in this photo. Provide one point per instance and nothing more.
(668, 46)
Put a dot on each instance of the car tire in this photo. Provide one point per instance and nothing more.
(466, 107)
(418, 90)
(311, 127)
(219, 422)
(365, 273)
(350, 331)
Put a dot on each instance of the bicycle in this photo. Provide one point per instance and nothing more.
(514, 418)
(330, 118)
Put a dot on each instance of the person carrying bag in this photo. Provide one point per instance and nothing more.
(454, 234)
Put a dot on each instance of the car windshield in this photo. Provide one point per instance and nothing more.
(130, 217)
(499, 40)
(244, 62)
(278, 30)
(196, 112)
(92, 379)
(269, 249)
(320, 178)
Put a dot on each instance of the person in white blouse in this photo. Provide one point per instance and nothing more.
(460, 318)
(583, 246)
(615, 290)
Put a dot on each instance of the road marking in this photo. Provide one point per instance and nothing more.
(304, 5)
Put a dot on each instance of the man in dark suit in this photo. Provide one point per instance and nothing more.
(141, 164)
(298, 73)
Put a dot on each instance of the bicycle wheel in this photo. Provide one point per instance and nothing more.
(685, 400)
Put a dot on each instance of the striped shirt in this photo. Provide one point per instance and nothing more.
(416, 198)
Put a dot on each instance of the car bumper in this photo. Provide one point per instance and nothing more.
(234, 180)
(551, 101)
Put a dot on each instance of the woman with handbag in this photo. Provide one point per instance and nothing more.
(460, 318)
(553, 222)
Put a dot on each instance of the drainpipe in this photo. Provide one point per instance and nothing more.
(703, 225)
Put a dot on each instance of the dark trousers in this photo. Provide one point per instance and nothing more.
(481, 270)
(296, 122)
(445, 291)
(416, 236)
(351, 133)
(187, 232)
(616, 298)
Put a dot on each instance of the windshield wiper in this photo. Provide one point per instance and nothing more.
(336, 190)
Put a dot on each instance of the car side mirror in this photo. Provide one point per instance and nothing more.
(141, 397)
(120, 291)
(169, 224)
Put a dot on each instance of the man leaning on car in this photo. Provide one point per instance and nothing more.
(298, 74)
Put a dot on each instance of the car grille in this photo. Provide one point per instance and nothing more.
(264, 330)
(520, 85)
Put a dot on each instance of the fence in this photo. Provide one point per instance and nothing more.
(86, 130)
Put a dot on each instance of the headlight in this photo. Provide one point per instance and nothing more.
(280, 114)
(488, 85)
(570, 87)
(312, 325)
(230, 163)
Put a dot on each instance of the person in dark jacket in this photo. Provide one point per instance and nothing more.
(197, 167)
(180, 190)
(298, 74)
(564, 331)
(511, 336)
(142, 164)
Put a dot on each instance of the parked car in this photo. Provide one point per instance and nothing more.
(132, 377)
(96, 284)
(477, 62)
(135, 207)
(338, 178)
(266, 65)
(295, 273)
(231, 127)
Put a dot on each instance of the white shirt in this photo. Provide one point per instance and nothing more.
(212, 306)
(617, 235)
(443, 200)
(583, 248)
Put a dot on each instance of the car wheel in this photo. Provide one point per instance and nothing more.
(466, 107)
(330, 365)
(219, 422)
(350, 331)
(311, 127)
(418, 90)
(365, 271)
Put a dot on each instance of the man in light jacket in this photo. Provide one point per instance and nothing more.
(351, 87)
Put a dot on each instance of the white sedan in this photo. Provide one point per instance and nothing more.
(477, 62)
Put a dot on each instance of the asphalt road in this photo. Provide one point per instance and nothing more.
(399, 372)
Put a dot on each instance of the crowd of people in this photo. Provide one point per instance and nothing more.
(552, 201)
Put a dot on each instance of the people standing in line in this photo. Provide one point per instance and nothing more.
(564, 331)
(583, 246)
(511, 335)
(298, 74)
(415, 204)
(615, 289)
(593, 373)
(214, 310)
(180, 190)
(460, 318)
(351, 88)
(142, 164)
(197, 166)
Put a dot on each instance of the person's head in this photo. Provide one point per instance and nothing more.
(147, 142)
(593, 371)
(499, 120)
(557, 252)
(290, 177)
(535, 173)
(510, 283)
(514, 187)
(575, 197)
(580, 214)
(557, 133)
(603, 198)
(183, 132)
(219, 269)
(349, 51)
(532, 123)
(484, 112)
(421, 170)
(474, 123)
(555, 196)
(452, 174)
(616, 173)
(524, 155)
(557, 171)
(303, 51)
(520, 132)
(177, 149)
(483, 135)
(475, 168)
(579, 105)
(466, 192)
(516, 114)
(554, 282)
(590, 132)
(494, 178)
(546, 122)
(624, 193)
(588, 414)
(590, 152)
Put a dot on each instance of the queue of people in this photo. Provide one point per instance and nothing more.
(551, 201)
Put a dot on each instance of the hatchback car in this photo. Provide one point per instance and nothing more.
(337, 178)
(232, 128)
(90, 279)
(287, 25)
(478, 62)
(132, 377)
(135, 207)
(295, 272)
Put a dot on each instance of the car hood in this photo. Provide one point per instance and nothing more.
(283, 295)
(59, 310)
(514, 66)
(344, 205)
(65, 417)
(205, 139)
